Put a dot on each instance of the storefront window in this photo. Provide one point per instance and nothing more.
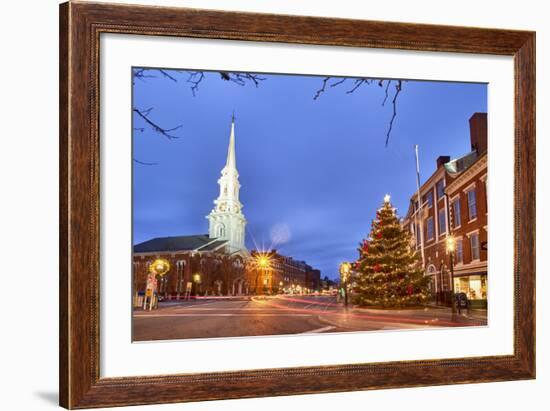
(474, 286)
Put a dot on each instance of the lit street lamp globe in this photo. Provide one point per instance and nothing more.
(159, 267)
(451, 244)
(345, 269)
(263, 261)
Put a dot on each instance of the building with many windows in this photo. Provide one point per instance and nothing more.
(282, 274)
(468, 212)
(454, 203)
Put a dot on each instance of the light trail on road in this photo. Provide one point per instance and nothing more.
(379, 317)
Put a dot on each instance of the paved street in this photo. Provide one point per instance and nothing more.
(246, 316)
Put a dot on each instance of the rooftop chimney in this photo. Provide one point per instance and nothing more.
(442, 160)
(478, 132)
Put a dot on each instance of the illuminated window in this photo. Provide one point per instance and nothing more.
(456, 213)
(429, 199)
(474, 246)
(442, 222)
(472, 206)
(430, 228)
(440, 188)
(459, 251)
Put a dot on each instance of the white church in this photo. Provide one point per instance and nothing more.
(226, 234)
(226, 220)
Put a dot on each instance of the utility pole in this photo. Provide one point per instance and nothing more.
(419, 212)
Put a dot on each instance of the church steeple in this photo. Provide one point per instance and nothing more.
(231, 163)
(226, 220)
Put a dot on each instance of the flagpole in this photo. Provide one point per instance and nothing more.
(420, 208)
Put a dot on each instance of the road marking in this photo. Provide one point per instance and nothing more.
(222, 315)
(191, 305)
(226, 309)
(320, 330)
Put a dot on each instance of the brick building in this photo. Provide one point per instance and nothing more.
(455, 197)
(313, 278)
(468, 212)
(284, 274)
(197, 261)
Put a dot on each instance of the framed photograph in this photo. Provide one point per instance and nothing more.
(261, 205)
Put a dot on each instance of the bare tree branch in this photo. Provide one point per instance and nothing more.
(165, 74)
(144, 163)
(195, 78)
(398, 88)
(322, 89)
(337, 83)
(163, 131)
(242, 78)
(386, 91)
(358, 82)
(141, 74)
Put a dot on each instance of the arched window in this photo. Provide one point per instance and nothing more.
(221, 230)
(432, 271)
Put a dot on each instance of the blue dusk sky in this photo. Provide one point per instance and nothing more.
(313, 172)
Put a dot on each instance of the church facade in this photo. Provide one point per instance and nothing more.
(205, 264)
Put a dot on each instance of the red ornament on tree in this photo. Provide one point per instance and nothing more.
(377, 267)
(410, 289)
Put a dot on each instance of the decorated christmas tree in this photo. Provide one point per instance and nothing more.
(389, 271)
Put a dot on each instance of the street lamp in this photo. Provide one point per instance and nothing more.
(451, 247)
(263, 263)
(345, 269)
(160, 267)
(196, 282)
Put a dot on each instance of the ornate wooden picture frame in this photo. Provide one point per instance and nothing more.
(81, 25)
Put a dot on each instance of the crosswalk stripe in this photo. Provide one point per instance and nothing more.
(320, 330)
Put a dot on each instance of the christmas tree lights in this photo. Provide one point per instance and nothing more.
(389, 272)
